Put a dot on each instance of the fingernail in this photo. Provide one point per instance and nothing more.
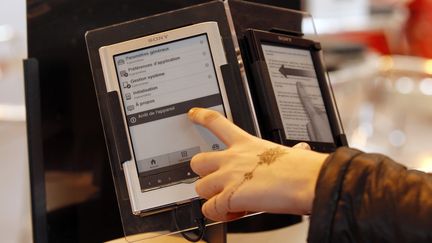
(192, 112)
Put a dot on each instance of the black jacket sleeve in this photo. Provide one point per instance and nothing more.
(364, 197)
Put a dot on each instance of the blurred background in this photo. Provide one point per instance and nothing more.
(378, 54)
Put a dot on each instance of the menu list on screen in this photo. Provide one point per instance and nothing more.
(159, 85)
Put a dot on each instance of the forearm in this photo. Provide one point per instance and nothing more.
(369, 198)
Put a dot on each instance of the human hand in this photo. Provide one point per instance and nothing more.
(318, 128)
(252, 175)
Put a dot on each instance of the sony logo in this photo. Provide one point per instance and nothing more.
(157, 38)
(284, 38)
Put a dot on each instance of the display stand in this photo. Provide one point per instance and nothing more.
(233, 18)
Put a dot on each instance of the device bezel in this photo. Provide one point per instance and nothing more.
(164, 197)
(265, 98)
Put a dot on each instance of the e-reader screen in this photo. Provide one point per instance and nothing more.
(159, 84)
(298, 95)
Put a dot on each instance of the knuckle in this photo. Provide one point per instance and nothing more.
(305, 146)
(199, 188)
(302, 145)
(245, 137)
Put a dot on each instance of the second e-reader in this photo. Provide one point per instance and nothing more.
(292, 96)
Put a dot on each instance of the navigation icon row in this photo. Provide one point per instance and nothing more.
(167, 159)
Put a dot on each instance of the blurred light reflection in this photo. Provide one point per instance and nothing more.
(6, 33)
(358, 138)
(11, 112)
(397, 138)
(425, 164)
(428, 67)
(387, 63)
(405, 85)
(426, 86)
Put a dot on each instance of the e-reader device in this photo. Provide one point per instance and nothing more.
(293, 97)
(159, 78)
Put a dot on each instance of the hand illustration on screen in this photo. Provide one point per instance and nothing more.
(318, 128)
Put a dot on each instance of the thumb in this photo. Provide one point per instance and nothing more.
(221, 127)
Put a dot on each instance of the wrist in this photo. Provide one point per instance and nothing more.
(300, 178)
(316, 164)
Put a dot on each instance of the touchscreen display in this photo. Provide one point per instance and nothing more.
(159, 84)
(298, 94)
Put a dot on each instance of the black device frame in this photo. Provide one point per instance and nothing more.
(270, 120)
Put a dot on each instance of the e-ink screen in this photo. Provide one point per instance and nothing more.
(159, 85)
(298, 94)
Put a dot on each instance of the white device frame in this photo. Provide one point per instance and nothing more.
(142, 202)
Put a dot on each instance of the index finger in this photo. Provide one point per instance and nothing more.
(221, 127)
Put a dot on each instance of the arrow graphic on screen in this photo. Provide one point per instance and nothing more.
(284, 71)
(296, 72)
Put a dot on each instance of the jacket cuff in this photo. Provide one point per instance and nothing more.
(327, 193)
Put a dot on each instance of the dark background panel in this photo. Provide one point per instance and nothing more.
(72, 136)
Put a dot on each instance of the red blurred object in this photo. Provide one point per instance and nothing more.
(373, 39)
(419, 28)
